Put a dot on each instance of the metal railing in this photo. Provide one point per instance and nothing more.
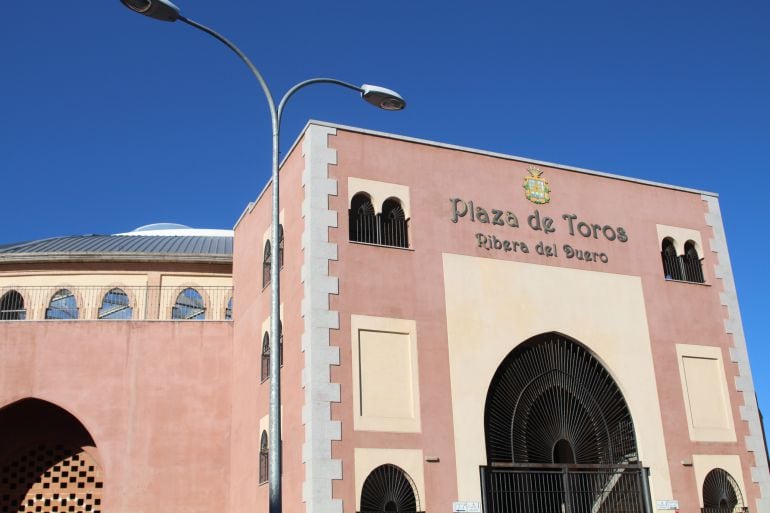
(682, 268)
(526, 488)
(375, 229)
(115, 302)
(736, 509)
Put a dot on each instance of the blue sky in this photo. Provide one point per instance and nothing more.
(109, 120)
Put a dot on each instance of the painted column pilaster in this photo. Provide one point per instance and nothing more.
(320, 430)
(738, 353)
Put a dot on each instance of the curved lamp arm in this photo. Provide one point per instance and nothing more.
(246, 60)
(297, 87)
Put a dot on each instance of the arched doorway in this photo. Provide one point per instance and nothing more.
(388, 489)
(559, 434)
(721, 493)
(48, 461)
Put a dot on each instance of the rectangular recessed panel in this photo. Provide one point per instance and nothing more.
(705, 393)
(385, 368)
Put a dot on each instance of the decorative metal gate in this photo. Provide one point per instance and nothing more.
(559, 435)
(526, 488)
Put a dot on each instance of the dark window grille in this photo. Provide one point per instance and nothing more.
(364, 224)
(264, 458)
(394, 225)
(189, 306)
(687, 267)
(672, 264)
(388, 488)
(721, 493)
(391, 228)
(280, 246)
(266, 264)
(693, 270)
(115, 306)
(63, 306)
(265, 371)
(280, 342)
(12, 307)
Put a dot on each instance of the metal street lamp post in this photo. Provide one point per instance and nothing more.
(381, 97)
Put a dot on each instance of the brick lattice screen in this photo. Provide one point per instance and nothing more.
(51, 479)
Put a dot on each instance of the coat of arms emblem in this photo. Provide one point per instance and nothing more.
(536, 188)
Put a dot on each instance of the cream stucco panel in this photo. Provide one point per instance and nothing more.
(702, 464)
(680, 236)
(704, 387)
(493, 305)
(379, 192)
(408, 460)
(385, 374)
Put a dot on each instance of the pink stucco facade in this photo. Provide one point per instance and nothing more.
(176, 409)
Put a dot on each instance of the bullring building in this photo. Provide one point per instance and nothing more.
(461, 331)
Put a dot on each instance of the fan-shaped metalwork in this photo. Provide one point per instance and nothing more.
(551, 401)
(721, 493)
(389, 489)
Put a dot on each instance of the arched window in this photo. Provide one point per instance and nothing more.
(693, 270)
(280, 246)
(266, 260)
(264, 458)
(63, 306)
(672, 264)
(394, 224)
(115, 306)
(265, 371)
(280, 342)
(12, 307)
(229, 310)
(363, 223)
(388, 488)
(189, 306)
(721, 493)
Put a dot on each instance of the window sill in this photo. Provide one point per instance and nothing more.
(687, 282)
(357, 243)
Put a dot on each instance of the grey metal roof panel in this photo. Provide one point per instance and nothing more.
(125, 244)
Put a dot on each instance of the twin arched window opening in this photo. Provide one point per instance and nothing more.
(389, 228)
(265, 367)
(686, 267)
(267, 258)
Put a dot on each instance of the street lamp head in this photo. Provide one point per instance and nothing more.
(385, 99)
(158, 9)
